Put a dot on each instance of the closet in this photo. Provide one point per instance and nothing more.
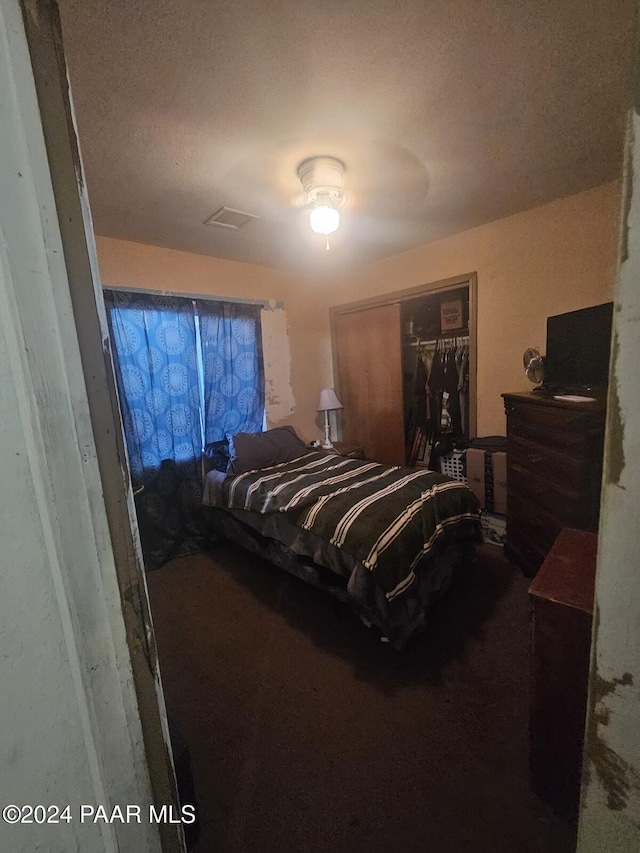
(435, 358)
(405, 371)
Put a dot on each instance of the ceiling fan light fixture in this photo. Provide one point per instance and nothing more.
(321, 179)
(324, 219)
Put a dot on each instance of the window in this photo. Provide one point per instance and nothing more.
(189, 373)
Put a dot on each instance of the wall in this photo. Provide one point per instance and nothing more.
(610, 807)
(71, 728)
(544, 261)
(296, 341)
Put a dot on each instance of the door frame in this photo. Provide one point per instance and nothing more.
(54, 156)
(469, 280)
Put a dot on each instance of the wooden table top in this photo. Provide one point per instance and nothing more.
(568, 573)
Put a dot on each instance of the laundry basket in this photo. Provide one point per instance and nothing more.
(453, 465)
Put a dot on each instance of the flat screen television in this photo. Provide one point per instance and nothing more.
(578, 345)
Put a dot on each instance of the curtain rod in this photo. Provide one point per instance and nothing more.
(266, 304)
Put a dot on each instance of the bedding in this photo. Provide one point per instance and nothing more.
(393, 534)
(216, 455)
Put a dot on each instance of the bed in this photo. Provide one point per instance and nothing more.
(389, 541)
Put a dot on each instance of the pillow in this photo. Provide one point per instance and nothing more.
(254, 450)
(217, 455)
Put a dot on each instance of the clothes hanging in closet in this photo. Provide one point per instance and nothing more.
(438, 416)
(420, 391)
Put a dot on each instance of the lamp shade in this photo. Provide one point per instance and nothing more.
(328, 400)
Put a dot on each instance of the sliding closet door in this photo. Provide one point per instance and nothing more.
(370, 381)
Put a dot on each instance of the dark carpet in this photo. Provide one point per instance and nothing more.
(308, 734)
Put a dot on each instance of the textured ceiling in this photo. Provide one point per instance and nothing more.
(446, 114)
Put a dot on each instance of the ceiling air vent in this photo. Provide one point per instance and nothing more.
(227, 217)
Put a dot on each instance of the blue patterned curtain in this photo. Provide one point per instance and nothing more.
(233, 369)
(155, 350)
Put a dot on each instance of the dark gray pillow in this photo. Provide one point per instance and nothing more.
(252, 450)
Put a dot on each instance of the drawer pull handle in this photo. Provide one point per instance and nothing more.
(535, 457)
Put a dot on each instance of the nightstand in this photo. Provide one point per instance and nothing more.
(346, 448)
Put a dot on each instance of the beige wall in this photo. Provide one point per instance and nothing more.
(548, 260)
(551, 259)
(125, 264)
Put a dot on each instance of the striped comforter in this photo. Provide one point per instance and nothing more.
(386, 517)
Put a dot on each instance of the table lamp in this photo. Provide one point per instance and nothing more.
(328, 402)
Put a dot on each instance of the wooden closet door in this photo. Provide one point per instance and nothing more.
(370, 381)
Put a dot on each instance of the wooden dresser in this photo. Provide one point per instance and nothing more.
(554, 467)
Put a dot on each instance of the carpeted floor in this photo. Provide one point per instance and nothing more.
(309, 734)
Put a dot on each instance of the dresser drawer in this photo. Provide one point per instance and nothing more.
(561, 501)
(529, 520)
(562, 467)
(561, 439)
(548, 417)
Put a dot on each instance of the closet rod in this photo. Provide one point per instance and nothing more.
(464, 338)
(267, 304)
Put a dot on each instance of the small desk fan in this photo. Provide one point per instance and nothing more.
(533, 365)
